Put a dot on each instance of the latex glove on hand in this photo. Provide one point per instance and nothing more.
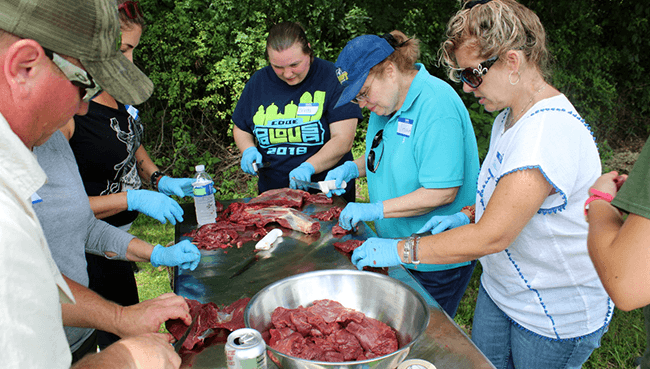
(250, 156)
(155, 205)
(355, 212)
(184, 254)
(302, 172)
(180, 187)
(376, 253)
(439, 223)
(345, 172)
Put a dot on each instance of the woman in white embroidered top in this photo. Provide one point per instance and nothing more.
(540, 303)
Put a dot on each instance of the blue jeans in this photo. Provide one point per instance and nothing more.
(508, 345)
(446, 286)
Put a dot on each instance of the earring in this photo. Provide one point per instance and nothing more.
(510, 78)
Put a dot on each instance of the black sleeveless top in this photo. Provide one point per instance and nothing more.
(104, 143)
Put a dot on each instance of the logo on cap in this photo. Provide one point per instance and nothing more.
(341, 75)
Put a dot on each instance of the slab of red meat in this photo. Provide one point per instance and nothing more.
(317, 198)
(339, 231)
(286, 217)
(286, 197)
(374, 336)
(349, 245)
(208, 316)
(327, 215)
(328, 331)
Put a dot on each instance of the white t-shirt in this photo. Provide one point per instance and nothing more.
(31, 287)
(544, 280)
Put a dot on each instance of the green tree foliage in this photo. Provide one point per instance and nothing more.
(201, 53)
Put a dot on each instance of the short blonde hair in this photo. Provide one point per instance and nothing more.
(407, 52)
(494, 27)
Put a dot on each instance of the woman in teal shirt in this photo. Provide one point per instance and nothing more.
(421, 155)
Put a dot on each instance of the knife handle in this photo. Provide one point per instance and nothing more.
(326, 186)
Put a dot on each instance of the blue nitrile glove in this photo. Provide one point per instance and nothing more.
(184, 254)
(439, 223)
(355, 212)
(344, 172)
(180, 187)
(155, 205)
(302, 172)
(376, 253)
(249, 156)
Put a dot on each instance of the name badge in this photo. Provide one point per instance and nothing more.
(36, 199)
(307, 108)
(404, 127)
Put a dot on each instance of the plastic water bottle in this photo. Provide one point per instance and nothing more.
(203, 188)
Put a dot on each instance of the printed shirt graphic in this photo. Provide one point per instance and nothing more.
(291, 123)
(104, 144)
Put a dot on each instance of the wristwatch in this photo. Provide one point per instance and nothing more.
(155, 178)
(408, 250)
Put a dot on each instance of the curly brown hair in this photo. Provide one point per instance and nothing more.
(494, 27)
(407, 52)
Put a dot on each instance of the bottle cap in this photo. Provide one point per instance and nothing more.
(200, 168)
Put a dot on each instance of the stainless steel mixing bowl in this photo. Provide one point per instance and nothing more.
(376, 295)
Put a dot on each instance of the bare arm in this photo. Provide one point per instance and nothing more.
(340, 143)
(620, 250)
(93, 311)
(515, 201)
(146, 166)
(243, 139)
(418, 202)
(151, 350)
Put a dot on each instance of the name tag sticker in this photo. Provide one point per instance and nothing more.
(307, 109)
(404, 126)
(36, 199)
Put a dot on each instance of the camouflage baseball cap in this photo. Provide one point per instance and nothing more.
(88, 30)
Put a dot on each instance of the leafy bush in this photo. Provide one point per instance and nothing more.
(201, 53)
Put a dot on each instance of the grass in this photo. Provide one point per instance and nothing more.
(624, 341)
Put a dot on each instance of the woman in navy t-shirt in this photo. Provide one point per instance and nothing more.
(286, 115)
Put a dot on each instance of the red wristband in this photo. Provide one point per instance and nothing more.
(597, 195)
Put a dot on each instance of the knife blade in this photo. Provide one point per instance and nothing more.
(323, 186)
(267, 244)
(178, 344)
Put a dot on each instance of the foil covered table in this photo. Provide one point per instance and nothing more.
(444, 344)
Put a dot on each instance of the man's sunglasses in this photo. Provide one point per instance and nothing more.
(76, 76)
(371, 165)
(473, 76)
(132, 9)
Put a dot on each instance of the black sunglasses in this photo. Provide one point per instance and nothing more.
(371, 165)
(132, 9)
(473, 76)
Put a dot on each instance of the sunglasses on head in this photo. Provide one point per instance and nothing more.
(473, 76)
(132, 9)
(370, 164)
(76, 76)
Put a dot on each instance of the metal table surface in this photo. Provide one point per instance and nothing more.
(444, 343)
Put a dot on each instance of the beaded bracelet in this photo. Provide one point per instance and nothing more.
(472, 213)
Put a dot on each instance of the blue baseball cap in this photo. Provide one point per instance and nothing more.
(355, 61)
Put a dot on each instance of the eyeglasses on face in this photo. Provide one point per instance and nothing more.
(131, 8)
(76, 76)
(363, 96)
(371, 165)
(473, 76)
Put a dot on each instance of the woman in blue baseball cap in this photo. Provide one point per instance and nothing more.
(421, 155)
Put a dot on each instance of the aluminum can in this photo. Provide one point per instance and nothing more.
(245, 349)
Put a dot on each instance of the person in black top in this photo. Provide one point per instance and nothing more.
(112, 162)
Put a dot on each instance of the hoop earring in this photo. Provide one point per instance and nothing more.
(510, 78)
